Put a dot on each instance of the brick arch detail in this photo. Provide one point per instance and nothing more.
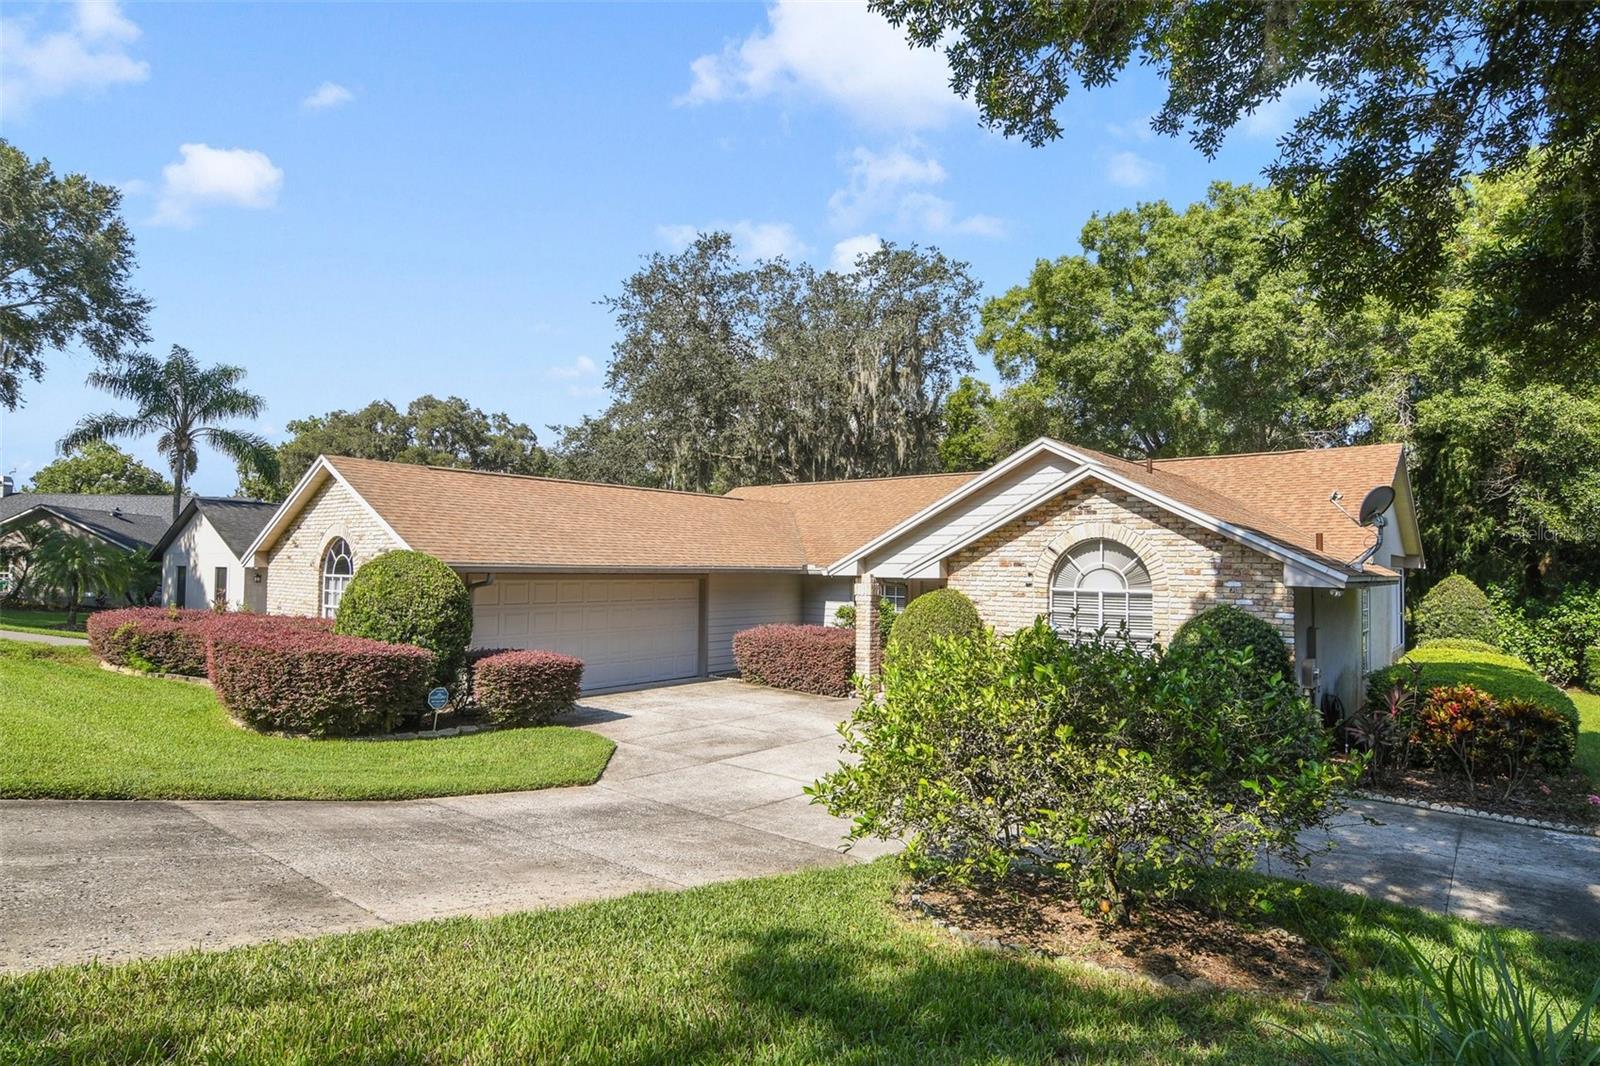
(1044, 567)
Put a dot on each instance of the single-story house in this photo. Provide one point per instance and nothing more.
(649, 585)
(130, 523)
(201, 554)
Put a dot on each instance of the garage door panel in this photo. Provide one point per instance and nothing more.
(627, 630)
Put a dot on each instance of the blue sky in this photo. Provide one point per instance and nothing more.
(363, 201)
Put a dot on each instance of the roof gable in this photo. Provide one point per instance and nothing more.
(128, 531)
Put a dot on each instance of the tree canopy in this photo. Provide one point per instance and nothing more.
(448, 432)
(727, 373)
(100, 468)
(1405, 103)
(65, 261)
(1178, 333)
(184, 403)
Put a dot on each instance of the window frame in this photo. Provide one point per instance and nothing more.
(332, 584)
(904, 594)
(1134, 603)
(180, 587)
(219, 584)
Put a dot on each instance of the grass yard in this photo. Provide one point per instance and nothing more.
(1588, 733)
(70, 729)
(812, 967)
(31, 621)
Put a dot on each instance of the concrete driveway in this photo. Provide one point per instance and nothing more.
(705, 786)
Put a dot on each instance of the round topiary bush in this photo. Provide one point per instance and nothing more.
(939, 613)
(408, 597)
(1456, 609)
(1226, 628)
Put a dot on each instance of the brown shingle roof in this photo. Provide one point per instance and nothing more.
(469, 518)
(1293, 487)
(837, 517)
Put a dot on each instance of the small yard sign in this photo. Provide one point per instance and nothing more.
(438, 698)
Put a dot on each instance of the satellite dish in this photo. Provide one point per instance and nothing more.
(1375, 504)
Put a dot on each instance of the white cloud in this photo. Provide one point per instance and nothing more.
(580, 367)
(584, 392)
(236, 177)
(89, 55)
(847, 251)
(328, 94)
(896, 184)
(839, 52)
(1135, 129)
(1130, 170)
(751, 240)
(1273, 119)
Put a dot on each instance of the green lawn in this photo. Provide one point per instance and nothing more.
(1588, 732)
(31, 621)
(71, 729)
(812, 967)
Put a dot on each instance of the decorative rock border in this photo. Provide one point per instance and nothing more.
(1174, 981)
(425, 734)
(1473, 812)
(131, 672)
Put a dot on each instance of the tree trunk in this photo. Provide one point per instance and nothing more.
(177, 486)
(72, 604)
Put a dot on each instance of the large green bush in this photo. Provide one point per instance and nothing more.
(409, 597)
(1118, 770)
(939, 613)
(1442, 664)
(1455, 608)
(1251, 647)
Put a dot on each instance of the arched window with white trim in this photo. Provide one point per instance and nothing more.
(1100, 584)
(337, 566)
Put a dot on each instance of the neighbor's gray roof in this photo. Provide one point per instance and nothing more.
(236, 521)
(18, 502)
(124, 528)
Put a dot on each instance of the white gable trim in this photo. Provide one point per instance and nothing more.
(308, 485)
(1303, 563)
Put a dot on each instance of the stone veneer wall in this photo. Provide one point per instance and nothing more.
(1007, 573)
(294, 567)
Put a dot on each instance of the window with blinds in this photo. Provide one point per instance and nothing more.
(1101, 585)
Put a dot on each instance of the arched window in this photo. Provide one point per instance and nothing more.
(337, 566)
(1100, 584)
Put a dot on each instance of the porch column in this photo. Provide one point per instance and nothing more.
(869, 651)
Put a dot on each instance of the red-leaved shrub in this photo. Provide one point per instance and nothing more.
(308, 680)
(816, 659)
(168, 640)
(525, 687)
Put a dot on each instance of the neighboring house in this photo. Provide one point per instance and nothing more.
(201, 554)
(650, 585)
(129, 523)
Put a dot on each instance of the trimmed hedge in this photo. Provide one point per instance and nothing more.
(168, 640)
(525, 687)
(1229, 629)
(315, 682)
(409, 597)
(1591, 668)
(938, 613)
(1456, 608)
(818, 659)
(1502, 676)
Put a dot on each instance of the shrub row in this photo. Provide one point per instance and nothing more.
(168, 640)
(818, 659)
(525, 687)
(274, 672)
(311, 681)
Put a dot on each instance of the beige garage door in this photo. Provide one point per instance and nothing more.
(627, 630)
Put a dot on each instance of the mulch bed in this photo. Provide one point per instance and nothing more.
(1567, 800)
(1183, 946)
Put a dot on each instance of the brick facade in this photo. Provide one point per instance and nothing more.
(1007, 573)
(294, 567)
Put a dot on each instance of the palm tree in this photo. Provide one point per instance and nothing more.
(181, 401)
(76, 565)
(18, 552)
